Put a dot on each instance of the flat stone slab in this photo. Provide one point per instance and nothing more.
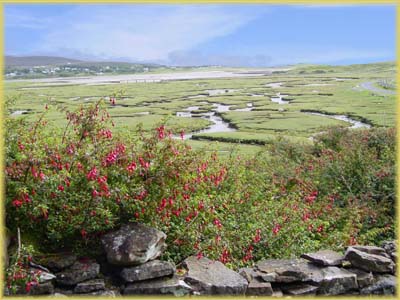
(337, 281)
(149, 270)
(58, 261)
(133, 244)
(78, 272)
(90, 286)
(43, 275)
(212, 277)
(257, 287)
(371, 250)
(369, 262)
(160, 286)
(289, 270)
(324, 258)
(297, 289)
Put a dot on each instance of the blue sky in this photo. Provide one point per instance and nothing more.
(232, 35)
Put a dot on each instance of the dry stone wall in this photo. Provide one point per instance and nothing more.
(130, 267)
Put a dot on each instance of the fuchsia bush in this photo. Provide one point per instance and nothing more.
(64, 188)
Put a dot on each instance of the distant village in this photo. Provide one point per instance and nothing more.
(70, 69)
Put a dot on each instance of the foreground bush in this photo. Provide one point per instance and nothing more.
(65, 188)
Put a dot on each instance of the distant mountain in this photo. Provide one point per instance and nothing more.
(31, 61)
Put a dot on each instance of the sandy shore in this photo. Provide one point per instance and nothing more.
(136, 78)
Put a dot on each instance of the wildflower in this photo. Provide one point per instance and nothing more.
(257, 238)
(17, 203)
(182, 134)
(26, 197)
(83, 233)
(143, 163)
(60, 188)
(217, 223)
(131, 167)
(34, 172)
(161, 132)
(95, 193)
(276, 229)
(110, 158)
(224, 258)
(29, 285)
(79, 166)
(92, 174)
(107, 133)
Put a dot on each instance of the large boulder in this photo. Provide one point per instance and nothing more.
(337, 281)
(149, 270)
(383, 285)
(324, 258)
(363, 278)
(289, 270)
(368, 261)
(42, 289)
(133, 244)
(160, 286)
(212, 277)
(78, 272)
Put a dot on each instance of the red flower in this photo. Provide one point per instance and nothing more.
(257, 238)
(17, 203)
(217, 223)
(79, 166)
(29, 285)
(107, 133)
(131, 167)
(110, 158)
(34, 172)
(144, 163)
(92, 174)
(276, 229)
(95, 193)
(60, 188)
(83, 233)
(20, 146)
(161, 132)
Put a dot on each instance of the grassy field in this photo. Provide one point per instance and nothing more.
(326, 89)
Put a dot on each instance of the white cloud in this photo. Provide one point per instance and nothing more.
(141, 32)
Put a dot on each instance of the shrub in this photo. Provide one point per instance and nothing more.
(66, 187)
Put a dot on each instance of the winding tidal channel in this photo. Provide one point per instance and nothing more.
(219, 125)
